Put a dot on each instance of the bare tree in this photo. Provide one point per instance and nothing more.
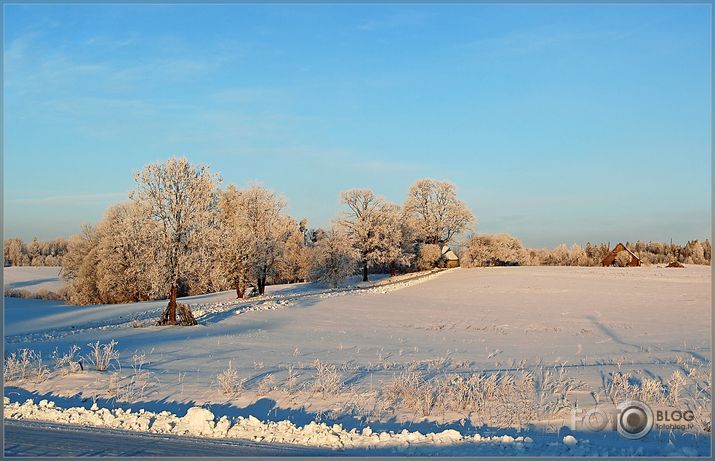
(433, 209)
(180, 197)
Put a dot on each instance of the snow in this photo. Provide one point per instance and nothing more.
(570, 440)
(591, 321)
(201, 422)
(33, 279)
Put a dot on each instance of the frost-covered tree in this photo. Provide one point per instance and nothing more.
(707, 251)
(427, 256)
(36, 253)
(577, 256)
(294, 262)
(14, 252)
(234, 250)
(333, 257)
(373, 227)
(435, 212)
(79, 267)
(126, 267)
(396, 239)
(180, 197)
(267, 231)
(623, 259)
(493, 250)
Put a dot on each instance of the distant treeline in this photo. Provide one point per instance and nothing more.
(505, 250)
(36, 253)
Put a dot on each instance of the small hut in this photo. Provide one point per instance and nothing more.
(610, 258)
(449, 258)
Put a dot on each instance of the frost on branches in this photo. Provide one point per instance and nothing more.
(180, 198)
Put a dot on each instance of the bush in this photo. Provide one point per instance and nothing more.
(428, 257)
(229, 381)
(103, 355)
(327, 379)
(623, 259)
(25, 364)
(493, 250)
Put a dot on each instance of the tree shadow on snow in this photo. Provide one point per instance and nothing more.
(265, 409)
(29, 283)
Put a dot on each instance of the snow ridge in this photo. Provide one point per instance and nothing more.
(202, 422)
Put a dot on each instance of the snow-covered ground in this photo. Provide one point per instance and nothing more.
(33, 279)
(585, 323)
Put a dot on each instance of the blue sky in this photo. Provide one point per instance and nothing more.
(557, 123)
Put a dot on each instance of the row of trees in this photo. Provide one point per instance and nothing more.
(501, 249)
(182, 234)
(36, 253)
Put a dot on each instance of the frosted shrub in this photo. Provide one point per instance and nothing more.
(428, 256)
(229, 382)
(333, 258)
(134, 386)
(555, 387)
(651, 391)
(619, 387)
(403, 389)
(427, 395)
(493, 250)
(623, 258)
(25, 364)
(675, 386)
(68, 363)
(267, 385)
(327, 379)
(292, 380)
(102, 355)
(498, 399)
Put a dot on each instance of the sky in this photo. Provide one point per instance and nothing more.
(557, 123)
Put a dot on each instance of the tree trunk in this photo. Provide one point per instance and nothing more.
(239, 289)
(172, 305)
(261, 285)
(364, 271)
(168, 315)
(393, 269)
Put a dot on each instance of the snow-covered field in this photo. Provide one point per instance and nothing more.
(349, 357)
(33, 279)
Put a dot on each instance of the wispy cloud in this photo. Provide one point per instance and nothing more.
(70, 199)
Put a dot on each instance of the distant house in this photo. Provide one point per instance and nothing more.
(610, 258)
(449, 258)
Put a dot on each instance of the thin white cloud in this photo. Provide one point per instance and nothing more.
(70, 199)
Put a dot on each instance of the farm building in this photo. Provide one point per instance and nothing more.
(610, 259)
(449, 258)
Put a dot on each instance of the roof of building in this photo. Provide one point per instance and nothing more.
(617, 249)
(448, 254)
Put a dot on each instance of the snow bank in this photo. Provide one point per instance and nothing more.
(282, 301)
(202, 422)
(389, 286)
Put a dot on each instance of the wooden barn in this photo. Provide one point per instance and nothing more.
(449, 258)
(610, 258)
